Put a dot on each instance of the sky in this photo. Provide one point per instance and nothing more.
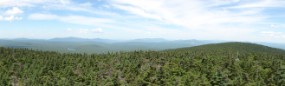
(232, 20)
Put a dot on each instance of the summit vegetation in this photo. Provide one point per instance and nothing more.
(223, 64)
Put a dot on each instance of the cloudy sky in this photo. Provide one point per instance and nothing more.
(233, 20)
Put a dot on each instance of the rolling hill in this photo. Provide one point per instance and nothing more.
(229, 47)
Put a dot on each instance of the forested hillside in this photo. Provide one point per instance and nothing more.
(234, 64)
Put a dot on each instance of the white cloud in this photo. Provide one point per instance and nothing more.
(273, 34)
(47, 5)
(274, 26)
(14, 11)
(39, 16)
(85, 31)
(29, 3)
(138, 11)
(210, 19)
(65, 1)
(12, 18)
(98, 30)
(188, 13)
(20, 3)
(262, 4)
(198, 19)
(74, 19)
(1, 18)
(12, 14)
(84, 20)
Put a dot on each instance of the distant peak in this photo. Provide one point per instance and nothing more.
(149, 40)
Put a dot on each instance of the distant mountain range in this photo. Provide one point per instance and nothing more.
(97, 45)
(74, 39)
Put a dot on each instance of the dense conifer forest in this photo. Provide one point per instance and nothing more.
(224, 64)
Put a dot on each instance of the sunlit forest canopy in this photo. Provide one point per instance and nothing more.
(214, 64)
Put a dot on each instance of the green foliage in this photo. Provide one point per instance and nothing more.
(233, 64)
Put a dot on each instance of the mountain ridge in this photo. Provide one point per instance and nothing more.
(238, 47)
(99, 45)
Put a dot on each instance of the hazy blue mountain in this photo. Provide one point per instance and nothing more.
(149, 40)
(76, 39)
(83, 45)
(274, 45)
(70, 39)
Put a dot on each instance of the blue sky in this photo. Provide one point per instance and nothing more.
(233, 20)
